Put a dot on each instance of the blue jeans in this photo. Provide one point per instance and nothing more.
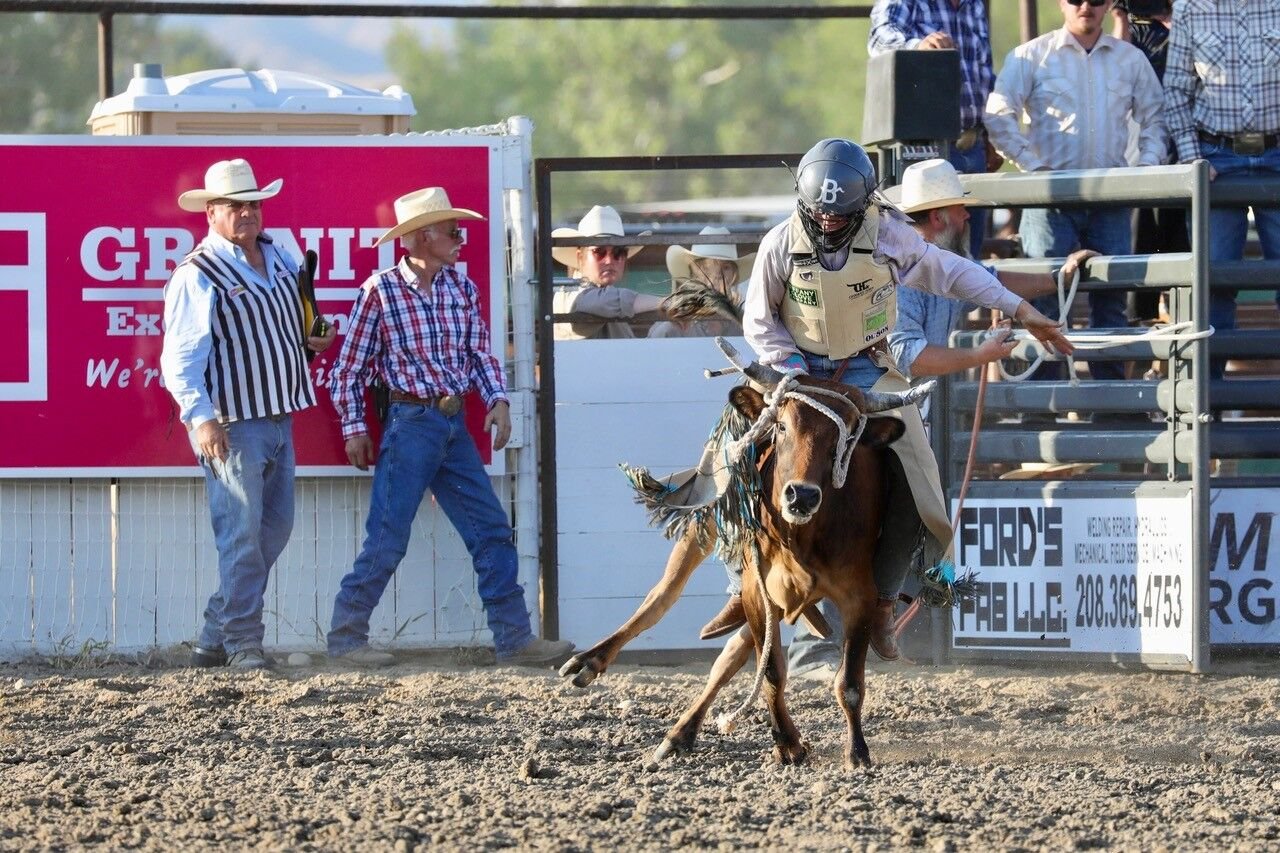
(1229, 226)
(973, 162)
(423, 448)
(251, 506)
(1055, 233)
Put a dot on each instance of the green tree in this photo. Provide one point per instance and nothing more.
(51, 63)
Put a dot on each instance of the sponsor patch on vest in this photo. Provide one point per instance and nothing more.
(882, 294)
(804, 260)
(802, 295)
(859, 286)
(874, 322)
(807, 275)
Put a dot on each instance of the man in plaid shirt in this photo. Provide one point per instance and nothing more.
(959, 25)
(417, 328)
(1222, 103)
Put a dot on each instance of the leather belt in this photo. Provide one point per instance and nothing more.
(448, 404)
(1246, 144)
(969, 138)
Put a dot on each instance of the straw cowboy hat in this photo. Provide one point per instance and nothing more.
(421, 208)
(229, 179)
(930, 184)
(680, 260)
(600, 221)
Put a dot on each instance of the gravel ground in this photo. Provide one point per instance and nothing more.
(478, 757)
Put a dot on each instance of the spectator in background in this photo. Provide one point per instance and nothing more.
(1078, 88)
(1222, 103)
(960, 25)
(417, 326)
(1145, 24)
(600, 269)
(719, 267)
(940, 210)
(234, 360)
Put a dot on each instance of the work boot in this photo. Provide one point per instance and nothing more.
(205, 657)
(883, 642)
(732, 617)
(540, 652)
(247, 660)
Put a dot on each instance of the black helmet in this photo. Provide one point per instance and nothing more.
(835, 178)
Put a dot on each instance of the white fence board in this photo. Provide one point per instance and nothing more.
(645, 403)
(16, 545)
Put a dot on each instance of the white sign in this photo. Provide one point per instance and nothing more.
(1110, 575)
(1243, 583)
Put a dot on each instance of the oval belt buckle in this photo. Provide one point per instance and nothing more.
(450, 404)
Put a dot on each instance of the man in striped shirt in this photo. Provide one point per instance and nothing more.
(417, 328)
(1222, 103)
(234, 359)
(959, 25)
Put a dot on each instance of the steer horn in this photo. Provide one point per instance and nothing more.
(880, 401)
(758, 373)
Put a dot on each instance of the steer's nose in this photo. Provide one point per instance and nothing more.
(802, 498)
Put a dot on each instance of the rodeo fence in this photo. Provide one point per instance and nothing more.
(1190, 405)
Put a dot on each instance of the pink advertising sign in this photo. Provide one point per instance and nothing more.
(90, 231)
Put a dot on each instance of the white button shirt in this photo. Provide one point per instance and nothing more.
(1057, 106)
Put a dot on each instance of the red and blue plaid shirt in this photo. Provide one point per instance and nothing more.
(422, 341)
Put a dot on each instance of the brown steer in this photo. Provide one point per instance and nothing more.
(815, 540)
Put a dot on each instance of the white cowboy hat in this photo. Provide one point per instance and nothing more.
(230, 179)
(680, 260)
(929, 184)
(421, 208)
(600, 221)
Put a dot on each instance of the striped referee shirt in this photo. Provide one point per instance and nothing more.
(901, 24)
(233, 344)
(422, 341)
(1222, 74)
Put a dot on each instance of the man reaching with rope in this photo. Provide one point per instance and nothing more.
(822, 300)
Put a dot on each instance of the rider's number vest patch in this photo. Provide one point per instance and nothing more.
(838, 313)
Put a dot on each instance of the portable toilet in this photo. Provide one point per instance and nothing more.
(232, 101)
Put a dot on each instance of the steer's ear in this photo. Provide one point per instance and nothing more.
(882, 432)
(748, 401)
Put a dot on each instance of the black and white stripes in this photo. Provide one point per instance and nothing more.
(257, 366)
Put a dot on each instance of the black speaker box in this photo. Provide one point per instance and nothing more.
(912, 96)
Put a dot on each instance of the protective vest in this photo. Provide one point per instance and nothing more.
(838, 313)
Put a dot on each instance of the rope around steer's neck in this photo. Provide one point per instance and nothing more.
(845, 444)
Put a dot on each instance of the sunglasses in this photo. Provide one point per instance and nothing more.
(618, 253)
(454, 233)
(237, 206)
(1094, 3)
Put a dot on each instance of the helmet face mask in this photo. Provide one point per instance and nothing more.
(835, 178)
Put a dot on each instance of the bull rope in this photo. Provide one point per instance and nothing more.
(1174, 332)
(785, 389)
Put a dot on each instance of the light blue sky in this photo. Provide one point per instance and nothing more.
(348, 49)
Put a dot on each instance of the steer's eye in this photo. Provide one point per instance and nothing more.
(780, 427)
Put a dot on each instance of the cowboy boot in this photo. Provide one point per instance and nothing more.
(728, 619)
(883, 643)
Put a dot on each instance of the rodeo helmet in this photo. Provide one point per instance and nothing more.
(835, 178)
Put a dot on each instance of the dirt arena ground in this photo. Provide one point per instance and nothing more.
(433, 754)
